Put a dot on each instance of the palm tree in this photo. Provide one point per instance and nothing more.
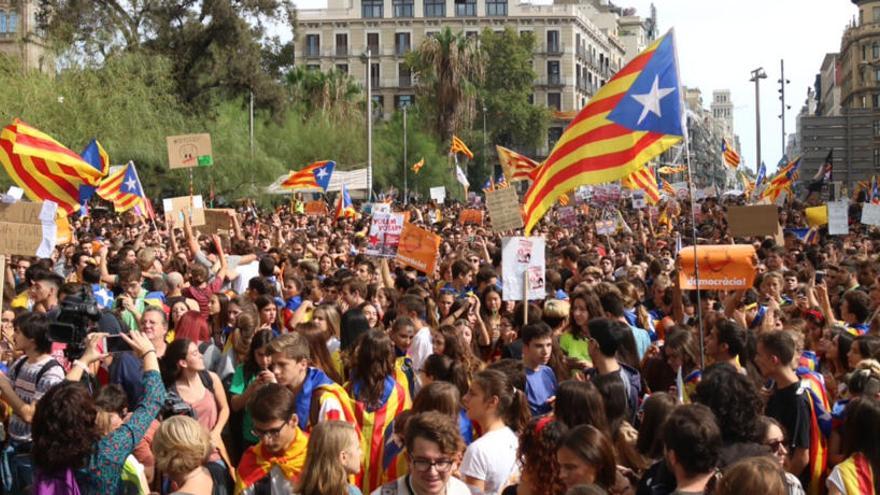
(332, 94)
(449, 69)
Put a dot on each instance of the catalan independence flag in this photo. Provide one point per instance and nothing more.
(731, 157)
(122, 188)
(344, 206)
(667, 188)
(43, 167)
(630, 120)
(667, 170)
(645, 180)
(95, 155)
(314, 176)
(515, 166)
(458, 146)
(783, 180)
(857, 474)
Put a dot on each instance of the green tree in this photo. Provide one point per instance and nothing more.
(334, 94)
(513, 121)
(449, 69)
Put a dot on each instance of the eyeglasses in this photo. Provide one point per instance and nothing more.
(776, 445)
(424, 465)
(270, 434)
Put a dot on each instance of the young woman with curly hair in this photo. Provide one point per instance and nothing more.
(537, 457)
(378, 395)
(68, 448)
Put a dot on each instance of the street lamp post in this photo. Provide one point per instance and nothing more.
(782, 83)
(485, 154)
(369, 124)
(757, 75)
(405, 186)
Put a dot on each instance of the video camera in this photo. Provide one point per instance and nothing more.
(78, 317)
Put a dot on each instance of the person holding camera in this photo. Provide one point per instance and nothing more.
(68, 448)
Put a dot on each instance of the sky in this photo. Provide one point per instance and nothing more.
(721, 41)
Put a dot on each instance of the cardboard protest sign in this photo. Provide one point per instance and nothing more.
(384, 235)
(816, 215)
(504, 209)
(21, 230)
(438, 194)
(871, 214)
(217, 220)
(521, 256)
(176, 208)
(418, 248)
(189, 150)
(722, 267)
(470, 216)
(755, 220)
(838, 218)
(316, 208)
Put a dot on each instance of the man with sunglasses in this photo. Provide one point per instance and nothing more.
(281, 453)
(434, 446)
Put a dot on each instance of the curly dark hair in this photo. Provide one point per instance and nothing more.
(64, 429)
(537, 454)
(734, 400)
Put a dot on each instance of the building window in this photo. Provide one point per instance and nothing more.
(875, 100)
(404, 76)
(403, 8)
(372, 8)
(554, 101)
(401, 43)
(875, 50)
(864, 52)
(374, 75)
(12, 23)
(876, 14)
(465, 8)
(314, 67)
(313, 45)
(496, 7)
(342, 68)
(876, 157)
(553, 135)
(401, 101)
(877, 128)
(472, 35)
(553, 77)
(2, 21)
(373, 44)
(341, 45)
(378, 106)
(435, 8)
(553, 42)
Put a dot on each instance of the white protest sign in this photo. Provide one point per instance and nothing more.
(638, 199)
(384, 236)
(381, 208)
(438, 194)
(871, 214)
(838, 223)
(521, 256)
(605, 227)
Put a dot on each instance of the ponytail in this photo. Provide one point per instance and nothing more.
(513, 407)
(517, 417)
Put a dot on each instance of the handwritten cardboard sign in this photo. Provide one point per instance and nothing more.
(755, 220)
(838, 218)
(871, 214)
(21, 230)
(217, 220)
(418, 248)
(384, 236)
(470, 216)
(189, 150)
(722, 267)
(191, 206)
(503, 207)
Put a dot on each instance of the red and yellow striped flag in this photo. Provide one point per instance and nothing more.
(667, 188)
(731, 157)
(380, 452)
(564, 199)
(645, 180)
(43, 167)
(458, 146)
(632, 119)
(667, 170)
(418, 166)
(515, 166)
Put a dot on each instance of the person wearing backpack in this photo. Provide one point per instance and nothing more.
(32, 375)
(185, 376)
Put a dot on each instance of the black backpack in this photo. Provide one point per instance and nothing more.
(176, 406)
(16, 369)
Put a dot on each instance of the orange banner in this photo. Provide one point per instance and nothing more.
(418, 248)
(470, 216)
(316, 208)
(722, 267)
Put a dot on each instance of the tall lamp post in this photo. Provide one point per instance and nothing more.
(757, 75)
(405, 186)
(782, 83)
(368, 56)
(485, 153)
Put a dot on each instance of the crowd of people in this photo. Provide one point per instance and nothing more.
(277, 357)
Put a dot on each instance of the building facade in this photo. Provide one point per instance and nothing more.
(578, 47)
(705, 132)
(20, 36)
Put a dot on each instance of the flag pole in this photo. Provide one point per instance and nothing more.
(144, 197)
(687, 148)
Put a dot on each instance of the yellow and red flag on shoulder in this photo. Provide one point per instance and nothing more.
(45, 168)
(458, 146)
(630, 120)
(645, 180)
(418, 166)
(731, 157)
(515, 166)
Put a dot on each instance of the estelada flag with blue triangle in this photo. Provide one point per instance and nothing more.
(314, 176)
(344, 206)
(630, 120)
(122, 188)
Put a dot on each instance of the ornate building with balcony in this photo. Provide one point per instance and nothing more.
(578, 48)
(20, 36)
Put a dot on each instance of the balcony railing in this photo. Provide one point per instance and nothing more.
(341, 51)
(554, 48)
(313, 52)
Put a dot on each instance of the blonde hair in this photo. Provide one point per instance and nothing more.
(322, 473)
(331, 316)
(753, 475)
(180, 446)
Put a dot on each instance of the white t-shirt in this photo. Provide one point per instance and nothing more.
(420, 348)
(245, 274)
(492, 458)
(398, 487)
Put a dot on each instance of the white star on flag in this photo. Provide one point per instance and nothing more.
(651, 101)
(322, 172)
(130, 184)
